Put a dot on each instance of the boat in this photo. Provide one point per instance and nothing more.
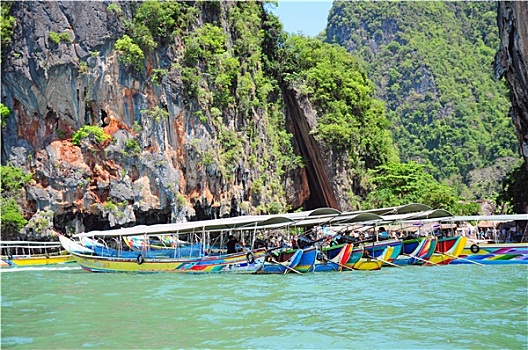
(333, 258)
(31, 253)
(493, 253)
(72, 246)
(194, 250)
(377, 248)
(447, 250)
(500, 250)
(370, 263)
(112, 254)
(356, 254)
(281, 262)
(242, 262)
(416, 251)
(112, 260)
(307, 260)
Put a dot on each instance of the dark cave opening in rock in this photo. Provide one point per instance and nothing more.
(104, 118)
(321, 193)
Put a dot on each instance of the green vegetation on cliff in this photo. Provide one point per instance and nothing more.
(7, 23)
(402, 183)
(350, 118)
(212, 105)
(432, 64)
(234, 80)
(4, 114)
(12, 182)
(225, 86)
(513, 196)
(130, 54)
(89, 130)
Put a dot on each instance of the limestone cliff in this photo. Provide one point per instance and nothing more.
(431, 62)
(512, 64)
(170, 155)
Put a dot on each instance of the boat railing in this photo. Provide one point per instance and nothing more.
(29, 248)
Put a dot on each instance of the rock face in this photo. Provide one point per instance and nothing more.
(154, 168)
(303, 119)
(53, 89)
(512, 64)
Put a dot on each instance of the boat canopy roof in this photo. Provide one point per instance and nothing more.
(494, 218)
(29, 244)
(401, 209)
(218, 225)
(312, 214)
(349, 218)
(428, 215)
(311, 218)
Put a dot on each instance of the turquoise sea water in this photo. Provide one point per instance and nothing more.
(441, 307)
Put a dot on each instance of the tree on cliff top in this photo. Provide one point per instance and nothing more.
(350, 118)
(402, 183)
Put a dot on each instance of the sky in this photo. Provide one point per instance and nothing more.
(304, 16)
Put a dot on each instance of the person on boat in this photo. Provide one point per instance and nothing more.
(294, 242)
(260, 243)
(329, 241)
(304, 241)
(345, 237)
(383, 234)
(232, 245)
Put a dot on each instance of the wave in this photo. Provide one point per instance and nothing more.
(38, 268)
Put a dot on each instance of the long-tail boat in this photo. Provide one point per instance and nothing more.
(370, 263)
(355, 256)
(242, 262)
(377, 248)
(416, 251)
(493, 253)
(447, 250)
(307, 260)
(496, 251)
(281, 263)
(31, 253)
(333, 258)
(110, 260)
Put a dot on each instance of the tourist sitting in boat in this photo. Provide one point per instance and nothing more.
(329, 241)
(383, 234)
(304, 241)
(345, 238)
(294, 242)
(232, 245)
(259, 243)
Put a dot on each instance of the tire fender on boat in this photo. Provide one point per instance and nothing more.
(250, 258)
(474, 248)
(140, 259)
